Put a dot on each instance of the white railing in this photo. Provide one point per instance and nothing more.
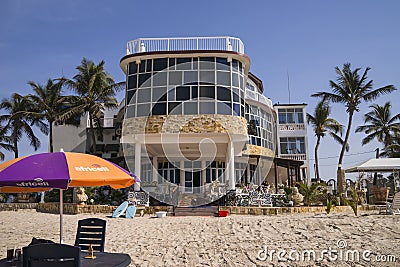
(292, 127)
(224, 43)
(301, 157)
(258, 97)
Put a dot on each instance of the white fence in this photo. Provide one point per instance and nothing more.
(223, 43)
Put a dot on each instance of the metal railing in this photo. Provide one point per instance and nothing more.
(223, 43)
(258, 97)
(292, 127)
(301, 157)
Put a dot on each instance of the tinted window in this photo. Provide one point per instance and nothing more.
(144, 80)
(159, 64)
(189, 77)
(207, 91)
(159, 109)
(207, 108)
(159, 94)
(130, 94)
(207, 63)
(149, 64)
(175, 78)
(223, 64)
(182, 93)
(132, 68)
(132, 80)
(142, 66)
(174, 108)
(223, 94)
(160, 79)
(223, 78)
(184, 63)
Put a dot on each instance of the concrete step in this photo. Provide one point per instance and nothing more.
(196, 211)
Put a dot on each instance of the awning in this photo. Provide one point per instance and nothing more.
(379, 165)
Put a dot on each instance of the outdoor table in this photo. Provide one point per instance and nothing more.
(103, 259)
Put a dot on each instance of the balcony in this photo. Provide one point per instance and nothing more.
(300, 157)
(258, 97)
(292, 127)
(223, 43)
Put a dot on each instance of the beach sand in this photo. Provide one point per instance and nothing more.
(230, 241)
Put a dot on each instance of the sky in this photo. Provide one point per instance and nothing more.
(303, 40)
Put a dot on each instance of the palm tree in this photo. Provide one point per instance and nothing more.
(49, 105)
(4, 142)
(96, 90)
(322, 124)
(351, 89)
(17, 124)
(381, 126)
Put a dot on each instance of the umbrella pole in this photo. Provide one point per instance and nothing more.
(61, 216)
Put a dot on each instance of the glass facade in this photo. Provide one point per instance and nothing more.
(185, 86)
(260, 126)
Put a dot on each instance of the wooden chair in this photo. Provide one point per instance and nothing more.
(91, 231)
(50, 255)
(394, 207)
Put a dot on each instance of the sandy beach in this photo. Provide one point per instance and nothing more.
(230, 241)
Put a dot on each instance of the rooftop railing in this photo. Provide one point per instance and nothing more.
(223, 43)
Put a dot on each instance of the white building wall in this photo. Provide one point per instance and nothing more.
(294, 130)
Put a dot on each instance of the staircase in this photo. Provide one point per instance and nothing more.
(196, 211)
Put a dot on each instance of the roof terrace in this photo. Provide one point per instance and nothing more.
(222, 43)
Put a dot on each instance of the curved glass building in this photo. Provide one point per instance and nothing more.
(196, 120)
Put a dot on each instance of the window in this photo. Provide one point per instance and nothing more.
(175, 78)
(182, 93)
(207, 91)
(290, 115)
(160, 64)
(132, 68)
(183, 63)
(159, 109)
(223, 94)
(223, 78)
(132, 81)
(292, 145)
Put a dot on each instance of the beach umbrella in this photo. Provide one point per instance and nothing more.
(60, 170)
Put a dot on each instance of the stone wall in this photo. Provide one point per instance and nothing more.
(287, 210)
(258, 150)
(17, 206)
(77, 209)
(207, 123)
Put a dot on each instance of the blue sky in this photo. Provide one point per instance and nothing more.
(47, 38)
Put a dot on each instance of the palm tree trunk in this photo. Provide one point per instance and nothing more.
(345, 141)
(51, 136)
(15, 142)
(93, 134)
(316, 159)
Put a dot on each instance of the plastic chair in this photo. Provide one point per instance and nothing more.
(91, 231)
(49, 255)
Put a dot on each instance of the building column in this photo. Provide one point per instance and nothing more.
(230, 165)
(138, 157)
(155, 169)
(182, 171)
(203, 176)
